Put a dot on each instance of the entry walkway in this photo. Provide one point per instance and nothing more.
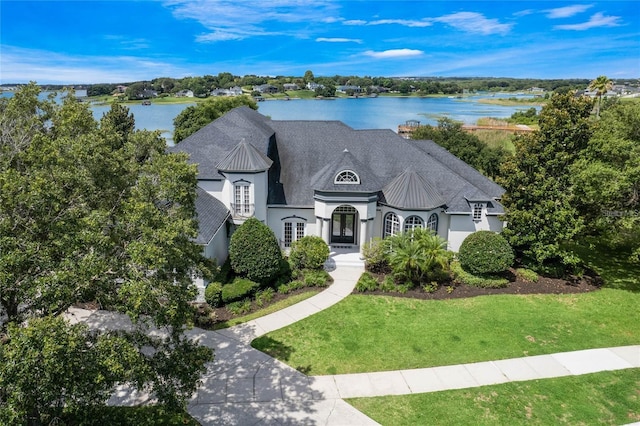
(243, 386)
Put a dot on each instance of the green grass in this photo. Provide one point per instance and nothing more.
(378, 333)
(607, 398)
(281, 304)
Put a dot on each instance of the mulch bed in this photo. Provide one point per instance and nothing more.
(590, 281)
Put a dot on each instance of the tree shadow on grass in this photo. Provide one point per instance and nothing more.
(273, 347)
(613, 265)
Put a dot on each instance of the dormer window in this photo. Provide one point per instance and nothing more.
(347, 177)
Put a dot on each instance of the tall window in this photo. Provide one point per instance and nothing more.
(413, 222)
(293, 231)
(477, 211)
(391, 225)
(432, 223)
(348, 177)
(242, 205)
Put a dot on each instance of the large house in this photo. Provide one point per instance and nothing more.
(324, 178)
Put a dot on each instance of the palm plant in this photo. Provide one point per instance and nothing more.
(415, 254)
(601, 85)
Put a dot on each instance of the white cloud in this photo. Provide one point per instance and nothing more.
(338, 40)
(20, 65)
(394, 53)
(596, 21)
(355, 22)
(567, 11)
(403, 22)
(476, 23)
(237, 20)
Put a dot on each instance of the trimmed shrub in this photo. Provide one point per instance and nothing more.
(375, 256)
(316, 278)
(527, 275)
(485, 252)
(213, 294)
(486, 281)
(367, 282)
(239, 289)
(254, 251)
(309, 252)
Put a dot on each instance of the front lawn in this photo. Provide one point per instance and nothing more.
(378, 333)
(607, 398)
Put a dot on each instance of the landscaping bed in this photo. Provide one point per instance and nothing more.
(590, 281)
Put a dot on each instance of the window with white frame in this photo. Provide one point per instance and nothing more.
(413, 222)
(477, 211)
(347, 177)
(432, 222)
(242, 198)
(391, 224)
(293, 231)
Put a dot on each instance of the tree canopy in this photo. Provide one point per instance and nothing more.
(540, 204)
(193, 118)
(93, 211)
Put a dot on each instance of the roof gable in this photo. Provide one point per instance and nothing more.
(325, 178)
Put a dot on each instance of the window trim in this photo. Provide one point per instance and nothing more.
(433, 219)
(393, 221)
(295, 233)
(346, 177)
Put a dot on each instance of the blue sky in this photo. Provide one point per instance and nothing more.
(121, 41)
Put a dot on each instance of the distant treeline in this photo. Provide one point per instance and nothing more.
(202, 86)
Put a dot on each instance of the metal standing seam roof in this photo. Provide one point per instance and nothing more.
(411, 192)
(244, 158)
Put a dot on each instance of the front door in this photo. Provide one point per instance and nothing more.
(343, 225)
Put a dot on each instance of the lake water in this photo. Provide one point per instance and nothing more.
(361, 113)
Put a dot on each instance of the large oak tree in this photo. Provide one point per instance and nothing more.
(92, 211)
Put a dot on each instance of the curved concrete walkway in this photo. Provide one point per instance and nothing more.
(243, 386)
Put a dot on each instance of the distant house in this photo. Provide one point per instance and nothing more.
(185, 94)
(265, 88)
(234, 91)
(324, 178)
(290, 86)
(121, 88)
(348, 87)
(313, 86)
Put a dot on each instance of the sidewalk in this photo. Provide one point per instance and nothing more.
(244, 386)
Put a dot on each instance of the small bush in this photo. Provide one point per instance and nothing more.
(464, 277)
(316, 277)
(239, 289)
(375, 256)
(292, 286)
(485, 252)
(527, 275)
(240, 307)
(388, 284)
(430, 287)
(254, 251)
(310, 252)
(367, 282)
(213, 294)
(264, 296)
(204, 316)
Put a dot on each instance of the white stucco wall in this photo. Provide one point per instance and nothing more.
(276, 218)
(257, 194)
(461, 226)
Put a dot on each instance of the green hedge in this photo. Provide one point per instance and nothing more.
(309, 252)
(463, 277)
(485, 252)
(213, 294)
(254, 252)
(239, 289)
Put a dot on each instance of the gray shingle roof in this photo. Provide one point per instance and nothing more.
(244, 158)
(308, 154)
(212, 214)
(324, 179)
